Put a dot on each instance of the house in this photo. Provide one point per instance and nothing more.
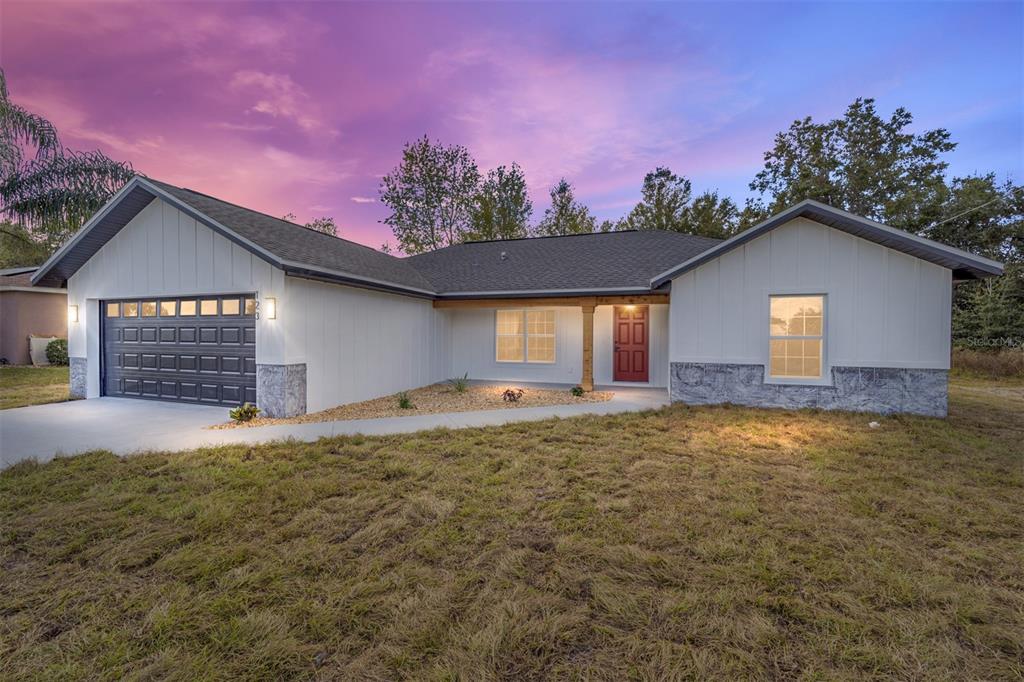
(176, 295)
(26, 311)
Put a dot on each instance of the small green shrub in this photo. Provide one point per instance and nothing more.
(404, 401)
(577, 391)
(244, 413)
(460, 384)
(512, 395)
(57, 352)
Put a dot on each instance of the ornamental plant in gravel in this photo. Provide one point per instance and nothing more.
(244, 413)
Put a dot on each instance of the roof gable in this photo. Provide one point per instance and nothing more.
(963, 264)
(293, 248)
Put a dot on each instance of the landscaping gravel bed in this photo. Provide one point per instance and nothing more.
(432, 400)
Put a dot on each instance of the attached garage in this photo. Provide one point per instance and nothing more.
(198, 349)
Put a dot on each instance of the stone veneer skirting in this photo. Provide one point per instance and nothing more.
(281, 390)
(863, 389)
(78, 371)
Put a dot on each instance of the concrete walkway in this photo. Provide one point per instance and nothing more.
(125, 426)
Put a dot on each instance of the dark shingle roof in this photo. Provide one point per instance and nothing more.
(291, 242)
(591, 262)
(20, 277)
(586, 262)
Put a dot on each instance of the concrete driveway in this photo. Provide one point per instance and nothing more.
(125, 426)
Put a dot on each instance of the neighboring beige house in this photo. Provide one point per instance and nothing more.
(25, 310)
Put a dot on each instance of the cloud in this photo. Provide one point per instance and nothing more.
(280, 97)
(73, 122)
(242, 127)
(364, 200)
(598, 122)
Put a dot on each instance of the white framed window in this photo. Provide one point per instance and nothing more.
(524, 335)
(796, 337)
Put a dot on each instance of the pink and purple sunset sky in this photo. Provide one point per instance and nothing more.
(302, 107)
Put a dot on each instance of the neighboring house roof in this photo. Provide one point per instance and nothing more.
(20, 279)
(25, 269)
(598, 262)
(963, 264)
(625, 262)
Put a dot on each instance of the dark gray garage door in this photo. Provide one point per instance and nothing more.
(198, 349)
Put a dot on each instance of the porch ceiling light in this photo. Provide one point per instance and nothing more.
(270, 307)
(72, 313)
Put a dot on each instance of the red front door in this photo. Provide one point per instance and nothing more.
(630, 359)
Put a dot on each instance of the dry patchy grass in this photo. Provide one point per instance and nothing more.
(21, 386)
(683, 543)
(434, 399)
(1003, 363)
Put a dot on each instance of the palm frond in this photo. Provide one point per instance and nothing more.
(21, 129)
(52, 196)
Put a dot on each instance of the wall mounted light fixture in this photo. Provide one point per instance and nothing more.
(72, 313)
(270, 307)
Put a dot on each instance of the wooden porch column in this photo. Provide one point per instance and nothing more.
(587, 382)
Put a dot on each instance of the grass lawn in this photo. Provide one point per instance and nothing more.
(684, 543)
(21, 386)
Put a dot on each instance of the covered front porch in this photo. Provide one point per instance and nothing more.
(614, 340)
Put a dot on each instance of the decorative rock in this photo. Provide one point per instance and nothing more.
(78, 370)
(281, 390)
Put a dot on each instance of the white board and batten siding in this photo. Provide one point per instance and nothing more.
(164, 252)
(883, 308)
(473, 352)
(359, 344)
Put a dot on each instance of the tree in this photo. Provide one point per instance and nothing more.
(754, 212)
(54, 195)
(56, 190)
(565, 215)
(18, 248)
(861, 163)
(501, 208)
(986, 218)
(325, 224)
(20, 129)
(982, 216)
(430, 195)
(711, 216)
(663, 202)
